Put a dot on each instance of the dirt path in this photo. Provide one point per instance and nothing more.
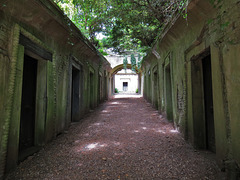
(122, 139)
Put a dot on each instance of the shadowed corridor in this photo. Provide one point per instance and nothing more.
(124, 138)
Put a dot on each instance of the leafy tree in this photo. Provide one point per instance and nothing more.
(132, 28)
(88, 15)
(129, 26)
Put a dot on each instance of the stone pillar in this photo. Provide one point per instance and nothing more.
(142, 84)
(113, 84)
(139, 84)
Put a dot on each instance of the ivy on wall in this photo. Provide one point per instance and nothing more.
(125, 61)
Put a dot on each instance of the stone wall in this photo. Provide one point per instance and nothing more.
(40, 30)
(210, 30)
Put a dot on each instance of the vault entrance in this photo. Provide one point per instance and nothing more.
(100, 88)
(156, 90)
(75, 93)
(91, 91)
(208, 103)
(125, 86)
(168, 92)
(202, 102)
(27, 118)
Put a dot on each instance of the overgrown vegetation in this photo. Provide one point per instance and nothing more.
(116, 90)
(126, 26)
(133, 62)
(125, 61)
(136, 63)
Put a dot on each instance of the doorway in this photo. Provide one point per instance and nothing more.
(168, 92)
(100, 88)
(27, 118)
(155, 99)
(125, 86)
(91, 91)
(202, 102)
(75, 93)
(208, 103)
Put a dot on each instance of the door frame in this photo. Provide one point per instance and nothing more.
(168, 83)
(77, 64)
(197, 102)
(28, 44)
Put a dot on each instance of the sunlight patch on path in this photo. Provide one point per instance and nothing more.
(95, 146)
(174, 131)
(127, 96)
(91, 146)
(114, 103)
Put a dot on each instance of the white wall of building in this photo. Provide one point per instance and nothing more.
(116, 60)
(126, 76)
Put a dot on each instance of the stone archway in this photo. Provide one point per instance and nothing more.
(127, 83)
(120, 67)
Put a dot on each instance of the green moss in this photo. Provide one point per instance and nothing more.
(13, 59)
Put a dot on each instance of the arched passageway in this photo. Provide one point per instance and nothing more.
(126, 80)
(121, 66)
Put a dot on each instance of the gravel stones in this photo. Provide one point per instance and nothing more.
(124, 138)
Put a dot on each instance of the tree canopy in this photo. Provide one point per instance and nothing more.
(127, 26)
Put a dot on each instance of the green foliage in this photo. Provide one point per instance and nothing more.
(129, 26)
(116, 90)
(133, 62)
(88, 15)
(224, 25)
(102, 52)
(136, 90)
(139, 63)
(125, 61)
(210, 21)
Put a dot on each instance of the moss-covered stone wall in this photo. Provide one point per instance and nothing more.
(58, 47)
(210, 29)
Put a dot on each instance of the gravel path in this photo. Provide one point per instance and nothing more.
(125, 138)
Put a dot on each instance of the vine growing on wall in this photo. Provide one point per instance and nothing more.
(133, 62)
(139, 63)
(125, 61)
